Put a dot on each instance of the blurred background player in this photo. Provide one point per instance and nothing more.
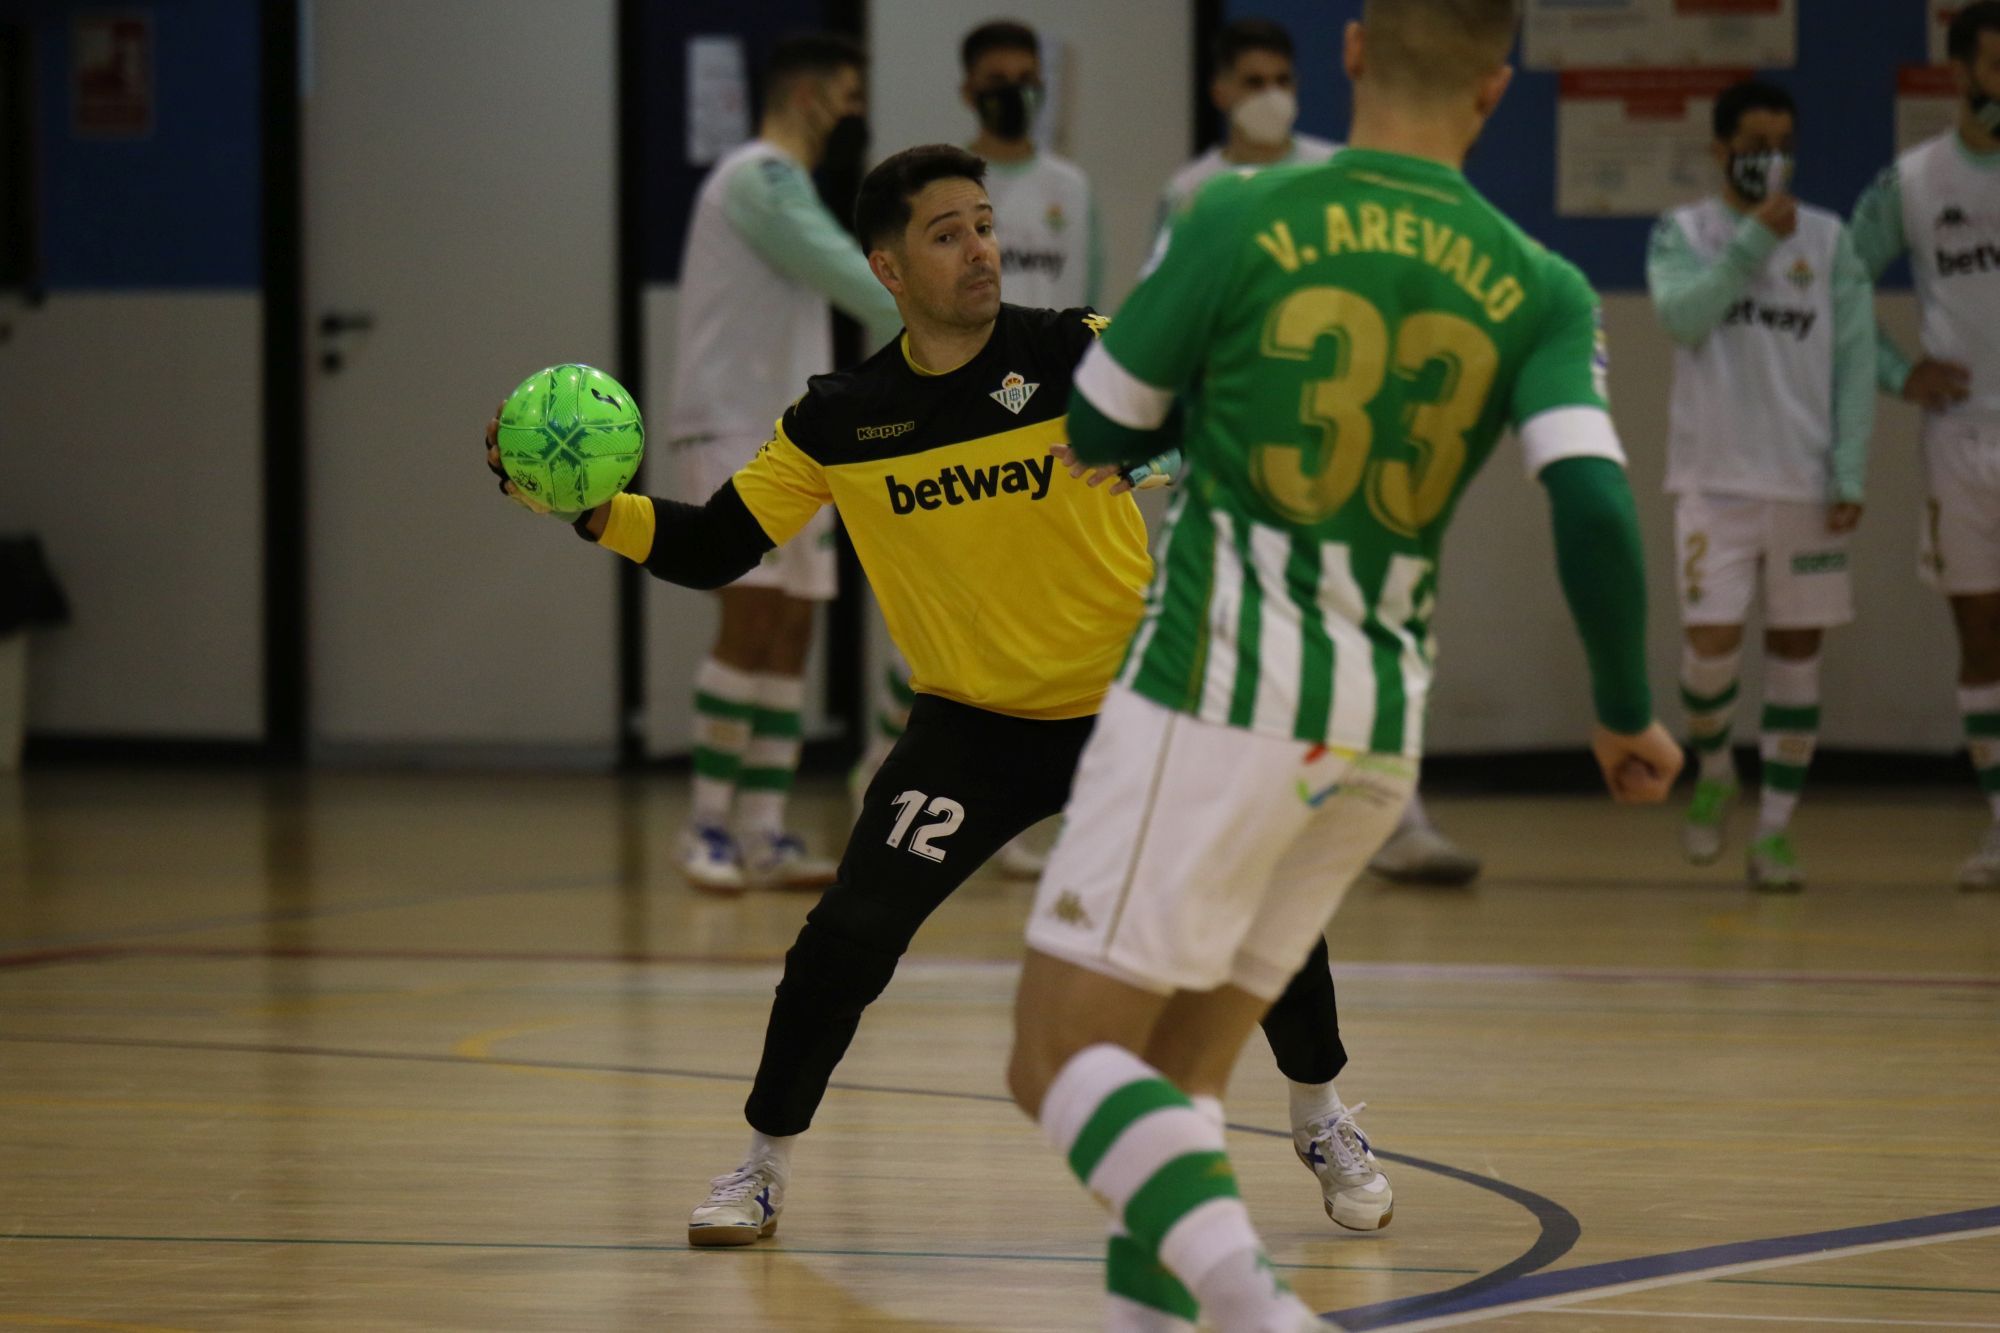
(763, 259)
(1264, 733)
(1940, 203)
(1773, 400)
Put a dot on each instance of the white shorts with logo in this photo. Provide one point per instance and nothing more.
(1726, 545)
(807, 566)
(1194, 855)
(1959, 547)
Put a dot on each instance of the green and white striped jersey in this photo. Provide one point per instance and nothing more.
(1350, 340)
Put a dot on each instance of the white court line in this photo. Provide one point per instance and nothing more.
(1784, 1318)
(1675, 1279)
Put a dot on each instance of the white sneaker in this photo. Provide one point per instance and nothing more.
(1357, 1195)
(1019, 860)
(780, 861)
(742, 1207)
(1982, 869)
(710, 859)
(1420, 854)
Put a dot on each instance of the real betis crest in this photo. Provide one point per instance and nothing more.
(1801, 275)
(1014, 392)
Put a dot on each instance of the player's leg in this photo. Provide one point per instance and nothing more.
(806, 571)
(1807, 591)
(725, 706)
(1417, 853)
(958, 785)
(1719, 543)
(1303, 1027)
(1961, 558)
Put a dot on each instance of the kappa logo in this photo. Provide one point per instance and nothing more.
(1014, 392)
(1070, 911)
(888, 432)
(1952, 216)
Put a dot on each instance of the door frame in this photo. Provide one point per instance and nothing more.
(285, 567)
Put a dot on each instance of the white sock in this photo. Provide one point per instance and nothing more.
(1708, 692)
(1312, 1103)
(773, 1148)
(725, 699)
(1414, 815)
(1790, 734)
(1980, 706)
(772, 756)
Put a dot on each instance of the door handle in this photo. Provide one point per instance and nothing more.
(336, 322)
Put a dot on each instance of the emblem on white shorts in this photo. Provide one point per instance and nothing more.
(1014, 392)
(1069, 910)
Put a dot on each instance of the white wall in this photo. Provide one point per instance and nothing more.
(132, 443)
(1127, 81)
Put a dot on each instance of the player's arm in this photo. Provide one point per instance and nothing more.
(773, 207)
(1692, 294)
(1121, 407)
(702, 546)
(1571, 447)
(1877, 229)
(1854, 357)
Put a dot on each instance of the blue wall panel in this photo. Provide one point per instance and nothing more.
(1845, 84)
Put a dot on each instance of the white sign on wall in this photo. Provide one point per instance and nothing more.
(1635, 142)
(1926, 104)
(718, 105)
(1597, 34)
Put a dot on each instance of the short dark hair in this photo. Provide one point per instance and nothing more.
(882, 206)
(1739, 99)
(1961, 41)
(1250, 35)
(808, 55)
(999, 35)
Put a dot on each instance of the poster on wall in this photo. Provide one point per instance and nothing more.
(111, 75)
(1625, 34)
(1635, 142)
(1926, 104)
(718, 92)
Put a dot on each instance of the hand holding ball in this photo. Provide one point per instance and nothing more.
(568, 439)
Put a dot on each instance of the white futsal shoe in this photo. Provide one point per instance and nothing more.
(1419, 854)
(741, 1208)
(711, 860)
(1356, 1193)
(780, 861)
(1982, 869)
(1019, 860)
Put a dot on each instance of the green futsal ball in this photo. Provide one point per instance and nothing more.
(570, 437)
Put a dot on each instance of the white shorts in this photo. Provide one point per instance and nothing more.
(1959, 547)
(1194, 855)
(807, 566)
(1724, 542)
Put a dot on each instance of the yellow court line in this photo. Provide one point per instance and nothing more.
(65, 1321)
(366, 1114)
(479, 1046)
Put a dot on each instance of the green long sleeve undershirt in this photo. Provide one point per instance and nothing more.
(1603, 571)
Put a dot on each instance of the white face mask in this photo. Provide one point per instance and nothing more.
(1266, 117)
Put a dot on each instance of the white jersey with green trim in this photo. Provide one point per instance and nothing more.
(762, 260)
(1046, 223)
(1187, 182)
(1951, 224)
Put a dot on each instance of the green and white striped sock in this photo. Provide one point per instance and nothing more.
(1981, 706)
(724, 701)
(1708, 692)
(1143, 1296)
(772, 757)
(1790, 734)
(1136, 1142)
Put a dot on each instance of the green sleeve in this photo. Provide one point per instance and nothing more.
(1569, 364)
(1690, 293)
(1603, 572)
(773, 206)
(1853, 369)
(1101, 442)
(1877, 227)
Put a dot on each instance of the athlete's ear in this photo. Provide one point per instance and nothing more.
(886, 270)
(1353, 44)
(1491, 89)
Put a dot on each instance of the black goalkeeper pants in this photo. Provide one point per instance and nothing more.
(960, 785)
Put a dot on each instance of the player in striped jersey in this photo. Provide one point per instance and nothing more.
(1350, 341)
(1940, 203)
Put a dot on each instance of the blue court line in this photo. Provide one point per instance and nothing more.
(1477, 1295)
(1557, 1227)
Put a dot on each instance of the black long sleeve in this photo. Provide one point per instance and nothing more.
(703, 546)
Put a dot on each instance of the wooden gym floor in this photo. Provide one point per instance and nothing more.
(358, 1052)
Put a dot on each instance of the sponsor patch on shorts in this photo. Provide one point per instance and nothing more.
(1819, 562)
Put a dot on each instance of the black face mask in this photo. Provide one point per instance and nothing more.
(1008, 111)
(1756, 175)
(846, 146)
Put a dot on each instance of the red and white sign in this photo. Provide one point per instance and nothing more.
(1941, 13)
(1631, 34)
(1635, 142)
(1927, 103)
(111, 64)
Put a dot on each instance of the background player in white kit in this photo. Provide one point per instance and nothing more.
(1773, 401)
(763, 258)
(1256, 89)
(1940, 202)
